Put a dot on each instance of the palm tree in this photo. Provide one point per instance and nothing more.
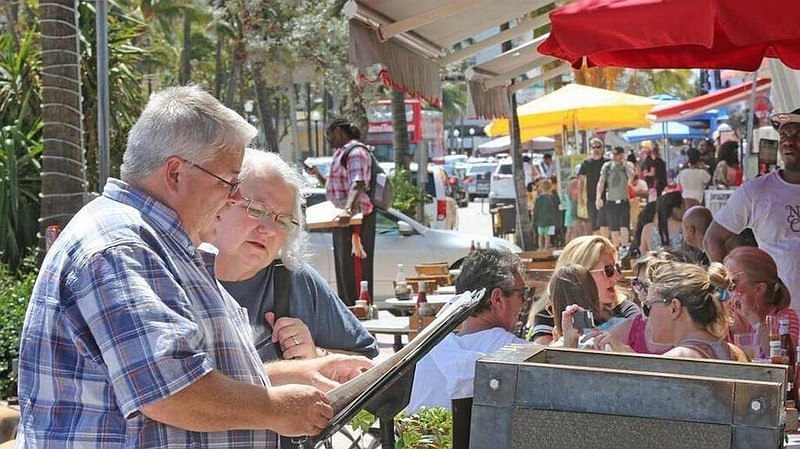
(63, 167)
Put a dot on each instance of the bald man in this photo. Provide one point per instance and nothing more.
(696, 221)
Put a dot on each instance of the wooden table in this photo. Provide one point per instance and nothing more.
(389, 324)
(407, 305)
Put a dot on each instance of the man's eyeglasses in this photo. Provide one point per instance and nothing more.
(647, 307)
(639, 286)
(609, 270)
(233, 187)
(283, 221)
(597, 146)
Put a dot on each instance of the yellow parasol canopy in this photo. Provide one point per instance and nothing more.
(579, 106)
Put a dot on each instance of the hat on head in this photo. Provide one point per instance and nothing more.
(777, 120)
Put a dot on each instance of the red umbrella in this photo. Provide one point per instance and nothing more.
(713, 34)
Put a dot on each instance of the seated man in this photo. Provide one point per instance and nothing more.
(448, 370)
(696, 221)
(253, 237)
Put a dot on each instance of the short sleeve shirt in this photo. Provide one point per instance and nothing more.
(341, 178)
(616, 178)
(591, 169)
(126, 312)
(770, 206)
(311, 300)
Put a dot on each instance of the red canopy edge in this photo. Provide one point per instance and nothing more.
(697, 105)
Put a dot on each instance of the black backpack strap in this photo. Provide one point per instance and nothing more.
(346, 154)
(281, 295)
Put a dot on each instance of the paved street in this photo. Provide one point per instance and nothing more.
(475, 218)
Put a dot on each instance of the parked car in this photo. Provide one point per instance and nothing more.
(399, 239)
(441, 210)
(477, 178)
(455, 179)
(501, 189)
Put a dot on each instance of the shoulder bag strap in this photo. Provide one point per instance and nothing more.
(280, 295)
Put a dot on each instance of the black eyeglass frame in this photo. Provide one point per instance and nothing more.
(233, 187)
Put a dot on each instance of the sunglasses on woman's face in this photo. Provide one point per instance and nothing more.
(647, 307)
(639, 286)
(609, 270)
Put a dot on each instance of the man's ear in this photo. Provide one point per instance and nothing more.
(496, 297)
(173, 170)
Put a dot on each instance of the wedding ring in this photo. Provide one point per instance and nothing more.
(296, 341)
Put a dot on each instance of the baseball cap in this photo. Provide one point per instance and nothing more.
(776, 120)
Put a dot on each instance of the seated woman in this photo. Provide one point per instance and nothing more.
(667, 229)
(252, 237)
(573, 287)
(758, 292)
(683, 309)
(599, 256)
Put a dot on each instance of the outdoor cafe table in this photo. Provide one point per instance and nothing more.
(389, 324)
(407, 305)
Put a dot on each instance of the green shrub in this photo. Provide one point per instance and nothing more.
(15, 291)
(428, 428)
(406, 194)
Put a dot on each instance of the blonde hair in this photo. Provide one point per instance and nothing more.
(584, 251)
(701, 292)
(760, 267)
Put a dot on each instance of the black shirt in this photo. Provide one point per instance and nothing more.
(591, 169)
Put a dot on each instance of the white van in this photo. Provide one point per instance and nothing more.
(441, 211)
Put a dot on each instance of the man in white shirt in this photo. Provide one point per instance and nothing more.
(448, 370)
(770, 206)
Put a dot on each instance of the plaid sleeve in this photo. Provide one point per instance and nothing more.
(359, 163)
(132, 312)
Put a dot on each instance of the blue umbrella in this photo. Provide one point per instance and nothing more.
(670, 130)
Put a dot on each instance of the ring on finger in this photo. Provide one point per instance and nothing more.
(296, 341)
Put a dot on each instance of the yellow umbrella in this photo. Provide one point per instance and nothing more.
(578, 106)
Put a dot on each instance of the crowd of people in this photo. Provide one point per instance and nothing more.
(696, 287)
(176, 310)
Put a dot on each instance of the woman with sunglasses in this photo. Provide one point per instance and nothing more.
(599, 256)
(683, 309)
(758, 292)
(573, 289)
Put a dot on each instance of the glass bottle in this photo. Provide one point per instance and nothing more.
(791, 358)
(422, 303)
(400, 283)
(372, 311)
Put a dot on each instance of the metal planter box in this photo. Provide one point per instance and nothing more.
(529, 396)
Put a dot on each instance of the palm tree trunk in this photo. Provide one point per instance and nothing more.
(63, 165)
(402, 157)
(186, 54)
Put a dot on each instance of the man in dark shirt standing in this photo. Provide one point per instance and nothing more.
(655, 171)
(589, 175)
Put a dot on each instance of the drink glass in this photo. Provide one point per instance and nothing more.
(748, 343)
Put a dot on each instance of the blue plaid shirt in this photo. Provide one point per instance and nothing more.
(126, 312)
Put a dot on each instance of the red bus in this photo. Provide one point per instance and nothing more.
(425, 130)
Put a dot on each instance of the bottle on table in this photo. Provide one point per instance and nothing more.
(791, 358)
(372, 311)
(421, 308)
(401, 290)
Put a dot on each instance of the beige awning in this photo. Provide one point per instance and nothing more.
(408, 39)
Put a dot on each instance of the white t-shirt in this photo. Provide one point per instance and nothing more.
(447, 372)
(694, 182)
(769, 206)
